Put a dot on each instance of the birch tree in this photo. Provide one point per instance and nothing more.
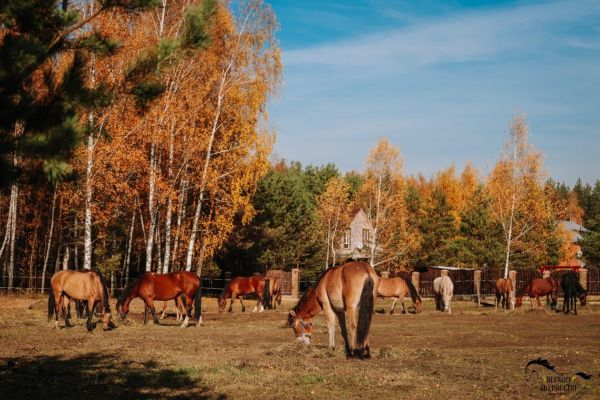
(333, 216)
(516, 191)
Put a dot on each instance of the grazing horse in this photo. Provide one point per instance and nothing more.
(503, 293)
(164, 287)
(348, 291)
(243, 286)
(88, 286)
(539, 287)
(443, 288)
(397, 288)
(572, 290)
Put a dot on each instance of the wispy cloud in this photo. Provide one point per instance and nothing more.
(472, 36)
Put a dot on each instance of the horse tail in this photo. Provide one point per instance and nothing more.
(414, 295)
(267, 294)
(105, 302)
(198, 302)
(365, 312)
(51, 305)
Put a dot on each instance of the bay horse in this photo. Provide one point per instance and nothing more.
(397, 288)
(85, 286)
(539, 287)
(348, 291)
(164, 287)
(572, 290)
(443, 288)
(243, 286)
(503, 291)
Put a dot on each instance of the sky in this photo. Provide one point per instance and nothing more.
(441, 80)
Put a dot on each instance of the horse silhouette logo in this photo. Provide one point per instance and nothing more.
(550, 380)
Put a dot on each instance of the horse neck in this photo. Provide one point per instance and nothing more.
(131, 294)
(308, 306)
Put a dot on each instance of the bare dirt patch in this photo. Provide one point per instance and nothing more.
(474, 353)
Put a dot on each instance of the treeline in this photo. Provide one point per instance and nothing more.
(132, 132)
(459, 218)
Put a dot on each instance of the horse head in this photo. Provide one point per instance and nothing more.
(417, 306)
(302, 329)
(107, 323)
(583, 298)
(222, 302)
(518, 301)
(122, 310)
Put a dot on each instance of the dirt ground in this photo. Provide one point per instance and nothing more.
(475, 353)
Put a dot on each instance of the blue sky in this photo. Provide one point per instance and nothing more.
(441, 80)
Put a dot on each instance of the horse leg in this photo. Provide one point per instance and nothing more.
(330, 315)
(341, 316)
(242, 303)
(67, 311)
(539, 303)
(163, 315)
(188, 311)
(150, 303)
(90, 308)
(401, 299)
(145, 314)
(352, 313)
(393, 305)
(233, 296)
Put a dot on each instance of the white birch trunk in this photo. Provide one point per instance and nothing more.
(66, 257)
(13, 230)
(151, 211)
(128, 250)
(167, 260)
(180, 215)
(49, 244)
(215, 127)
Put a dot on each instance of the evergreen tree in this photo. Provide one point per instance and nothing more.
(438, 232)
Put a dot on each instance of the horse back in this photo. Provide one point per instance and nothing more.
(79, 285)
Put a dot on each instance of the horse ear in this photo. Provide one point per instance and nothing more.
(293, 313)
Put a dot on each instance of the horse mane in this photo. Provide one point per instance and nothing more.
(414, 295)
(105, 302)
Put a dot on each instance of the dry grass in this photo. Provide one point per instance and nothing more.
(474, 353)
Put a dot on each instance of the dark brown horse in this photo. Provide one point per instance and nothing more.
(349, 292)
(85, 286)
(572, 290)
(539, 287)
(244, 286)
(503, 291)
(397, 288)
(164, 287)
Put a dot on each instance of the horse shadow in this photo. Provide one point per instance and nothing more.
(94, 374)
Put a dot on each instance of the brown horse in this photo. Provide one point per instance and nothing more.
(274, 290)
(539, 287)
(164, 287)
(244, 286)
(347, 291)
(503, 291)
(88, 286)
(397, 288)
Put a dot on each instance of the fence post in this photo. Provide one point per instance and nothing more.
(513, 277)
(295, 282)
(583, 278)
(414, 277)
(477, 285)
(444, 272)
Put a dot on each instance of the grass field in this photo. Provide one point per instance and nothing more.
(476, 353)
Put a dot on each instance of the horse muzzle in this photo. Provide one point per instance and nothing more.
(304, 339)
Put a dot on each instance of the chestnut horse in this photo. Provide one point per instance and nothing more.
(539, 287)
(397, 288)
(503, 291)
(348, 291)
(572, 290)
(88, 286)
(443, 289)
(244, 286)
(164, 287)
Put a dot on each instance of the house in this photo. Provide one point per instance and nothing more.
(355, 243)
(573, 233)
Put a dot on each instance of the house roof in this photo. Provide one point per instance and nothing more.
(574, 227)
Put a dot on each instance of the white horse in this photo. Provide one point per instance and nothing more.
(443, 289)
